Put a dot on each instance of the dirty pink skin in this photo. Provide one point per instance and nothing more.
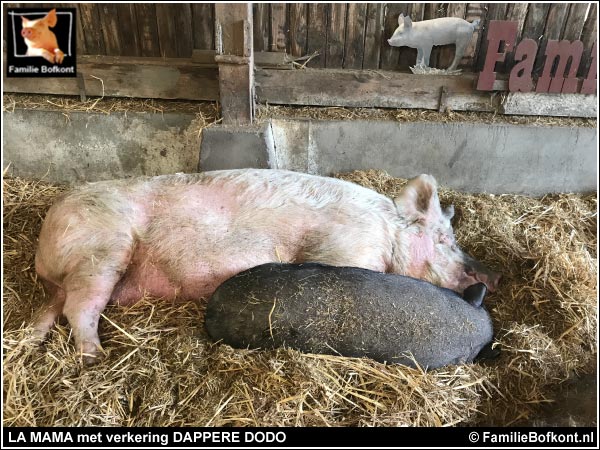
(180, 236)
(40, 40)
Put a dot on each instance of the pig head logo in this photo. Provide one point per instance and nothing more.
(41, 43)
(40, 40)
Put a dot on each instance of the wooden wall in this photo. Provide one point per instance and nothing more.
(346, 35)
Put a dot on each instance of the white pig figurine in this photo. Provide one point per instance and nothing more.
(427, 33)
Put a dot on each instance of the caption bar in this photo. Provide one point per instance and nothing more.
(298, 437)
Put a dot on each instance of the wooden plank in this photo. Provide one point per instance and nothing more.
(127, 34)
(417, 12)
(81, 44)
(278, 33)
(555, 21)
(575, 21)
(354, 47)
(373, 35)
(588, 36)
(147, 29)
(298, 13)
(336, 30)
(182, 15)
(92, 32)
(109, 23)
(261, 26)
(236, 62)
(565, 105)
(352, 88)
(516, 12)
(166, 31)
(175, 29)
(317, 33)
(475, 11)
(273, 60)
(389, 56)
(129, 77)
(496, 11)
(203, 26)
(447, 52)
(204, 56)
(535, 23)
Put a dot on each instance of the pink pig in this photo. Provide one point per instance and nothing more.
(40, 40)
(180, 236)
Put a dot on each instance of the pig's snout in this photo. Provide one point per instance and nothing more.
(490, 279)
(475, 269)
(390, 41)
(26, 32)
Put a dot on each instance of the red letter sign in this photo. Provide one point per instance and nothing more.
(498, 31)
(525, 54)
(563, 50)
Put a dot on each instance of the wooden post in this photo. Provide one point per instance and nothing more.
(235, 58)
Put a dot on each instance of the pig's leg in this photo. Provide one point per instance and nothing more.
(419, 56)
(426, 55)
(59, 55)
(83, 305)
(458, 54)
(47, 316)
(49, 56)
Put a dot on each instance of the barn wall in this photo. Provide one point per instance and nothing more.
(346, 35)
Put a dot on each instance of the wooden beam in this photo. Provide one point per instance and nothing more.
(203, 25)
(317, 33)
(278, 27)
(565, 105)
(235, 57)
(373, 35)
(168, 78)
(588, 36)
(298, 14)
(336, 35)
(271, 60)
(351, 88)
(355, 35)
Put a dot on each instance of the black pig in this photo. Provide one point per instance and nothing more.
(350, 311)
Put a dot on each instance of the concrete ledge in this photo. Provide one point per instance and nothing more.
(470, 157)
(233, 147)
(89, 146)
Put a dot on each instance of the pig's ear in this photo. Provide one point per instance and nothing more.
(475, 294)
(24, 21)
(407, 22)
(419, 202)
(401, 19)
(51, 18)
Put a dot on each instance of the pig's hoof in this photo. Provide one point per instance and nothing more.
(49, 57)
(35, 335)
(59, 56)
(89, 360)
(91, 353)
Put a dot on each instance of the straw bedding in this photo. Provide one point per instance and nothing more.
(160, 368)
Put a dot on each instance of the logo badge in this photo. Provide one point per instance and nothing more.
(41, 42)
